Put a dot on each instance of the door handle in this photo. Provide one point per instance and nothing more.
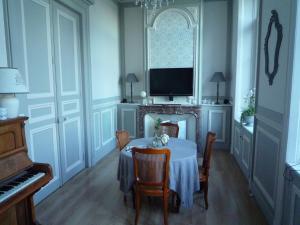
(61, 120)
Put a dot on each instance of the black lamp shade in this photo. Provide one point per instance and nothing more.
(131, 78)
(218, 77)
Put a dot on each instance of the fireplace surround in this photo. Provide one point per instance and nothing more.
(193, 110)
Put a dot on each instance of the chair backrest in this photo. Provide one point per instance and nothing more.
(122, 138)
(171, 129)
(151, 166)
(210, 139)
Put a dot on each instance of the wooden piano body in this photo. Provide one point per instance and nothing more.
(18, 209)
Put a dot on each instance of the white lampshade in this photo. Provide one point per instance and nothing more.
(11, 81)
(143, 94)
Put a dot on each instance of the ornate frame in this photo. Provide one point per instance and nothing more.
(274, 19)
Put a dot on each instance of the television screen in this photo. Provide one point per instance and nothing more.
(171, 82)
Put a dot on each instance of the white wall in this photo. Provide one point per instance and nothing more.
(134, 51)
(215, 47)
(234, 33)
(105, 49)
(3, 53)
(267, 92)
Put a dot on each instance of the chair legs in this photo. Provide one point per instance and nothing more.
(133, 197)
(137, 207)
(206, 194)
(165, 199)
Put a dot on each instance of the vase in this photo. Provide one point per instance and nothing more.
(249, 120)
(156, 141)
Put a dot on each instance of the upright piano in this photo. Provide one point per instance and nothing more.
(20, 178)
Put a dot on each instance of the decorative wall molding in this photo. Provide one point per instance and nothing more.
(134, 115)
(185, 12)
(105, 105)
(77, 119)
(100, 106)
(43, 116)
(237, 134)
(211, 120)
(97, 133)
(38, 130)
(269, 197)
(269, 122)
(110, 111)
(194, 24)
(107, 100)
(245, 161)
(76, 65)
(88, 2)
(268, 113)
(76, 108)
(294, 195)
(49, 46)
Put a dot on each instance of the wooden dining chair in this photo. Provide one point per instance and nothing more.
(122, 138)
(171, 129)
(151, 172)
(204, 169)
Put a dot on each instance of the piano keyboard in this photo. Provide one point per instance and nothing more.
(17, 185)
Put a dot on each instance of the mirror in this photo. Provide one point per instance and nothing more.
(269, 47)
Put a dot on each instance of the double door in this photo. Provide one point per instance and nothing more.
(45, 47)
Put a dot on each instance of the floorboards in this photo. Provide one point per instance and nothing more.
(93, 198)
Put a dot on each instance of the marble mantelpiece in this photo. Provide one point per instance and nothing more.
(194, 110)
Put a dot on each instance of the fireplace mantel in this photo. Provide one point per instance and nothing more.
(194, 110)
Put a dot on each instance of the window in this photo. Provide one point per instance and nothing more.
(246, 48)
(293, 146)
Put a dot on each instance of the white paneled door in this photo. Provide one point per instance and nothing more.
(45, 47)
(68, 73)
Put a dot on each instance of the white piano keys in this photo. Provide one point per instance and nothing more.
(8, 194)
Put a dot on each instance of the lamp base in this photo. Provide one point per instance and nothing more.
(11, 103)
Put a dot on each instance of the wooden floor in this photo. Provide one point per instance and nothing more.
(93, 198)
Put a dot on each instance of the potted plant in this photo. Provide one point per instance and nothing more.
(247, 116)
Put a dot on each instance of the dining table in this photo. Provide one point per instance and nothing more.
(183, 174)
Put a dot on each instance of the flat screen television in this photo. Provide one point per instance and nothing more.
(171, 82)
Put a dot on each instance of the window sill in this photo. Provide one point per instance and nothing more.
(296, 168)
(250, 129)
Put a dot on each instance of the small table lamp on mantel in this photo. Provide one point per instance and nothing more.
(131, 78)
(217, 78)
(11, 83)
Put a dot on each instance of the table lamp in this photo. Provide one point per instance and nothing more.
(131, 78)
(217, 78)
(11, 83)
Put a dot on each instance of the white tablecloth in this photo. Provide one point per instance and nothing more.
(184, 177)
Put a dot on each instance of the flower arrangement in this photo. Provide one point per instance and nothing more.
(248, 113)
(164, 139)
(158, 139)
